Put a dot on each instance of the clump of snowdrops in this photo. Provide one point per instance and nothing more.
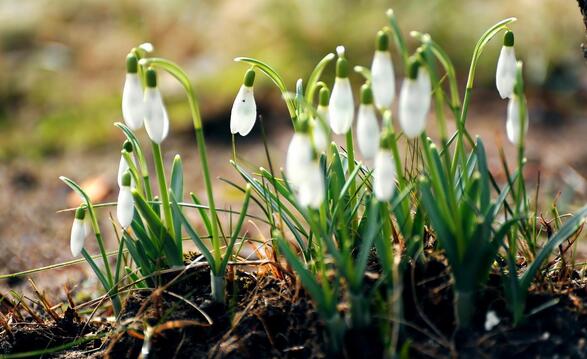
(335, 206)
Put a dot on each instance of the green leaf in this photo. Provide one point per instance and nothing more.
(193, 234)
(237, 229)
(97, 271)
(177, 190)
(315, 76)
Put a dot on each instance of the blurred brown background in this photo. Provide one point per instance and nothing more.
(62, 69)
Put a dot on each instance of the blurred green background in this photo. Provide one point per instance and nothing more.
(62, 60)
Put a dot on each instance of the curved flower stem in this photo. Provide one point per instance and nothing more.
(398, 37)
(163, 189)
(313, 86)
(459, 154)
(182, 77)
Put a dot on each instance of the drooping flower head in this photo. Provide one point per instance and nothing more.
(341, 109)
(79, 231)
(414, 102)
(132, 95)
(125, 204)
(367, 126)
(384, 171)
(382, 73)
(244, 109)
(156, 119)
(505, 75)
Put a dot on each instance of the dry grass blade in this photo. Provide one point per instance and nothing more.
(44, 301)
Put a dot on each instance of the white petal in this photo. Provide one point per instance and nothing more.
(299, 156)
(311, 191)
(132, 102)
(426, 88)
(384, 175)
(341, 109)
(505, 75)
(122, 167)
(367, 131)
(412, 108)
(383, 79)
(514, 122)
(244, 112)
(319, 136)
(78, 237)
(156, 119)
(125, 207)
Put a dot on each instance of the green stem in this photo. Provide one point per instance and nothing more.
(163, 189)
(464, 307)
(182, 77)
(351, 167)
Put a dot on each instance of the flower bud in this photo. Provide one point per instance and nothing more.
(382, 73)
(505, 75)
(341, 109)
(414, 102)
(516, 129)
(156, 118)
(133, 111)
(311, 192)
(125, 204)
(367, 126)
(384, 175)
(299, 156)
(244, 109)
(79, 231)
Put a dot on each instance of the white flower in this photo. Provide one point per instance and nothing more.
(505, 75)
(412, 117)
(514, 121)
(383, 175)
(244, 109)
(319, 136)
(383, 79)
(133, 111)
(80, 230)
(299, 156)
(125, 204)
(311, 188)
(367, 126)
(156, 119)
(341, 109)
(491, 320)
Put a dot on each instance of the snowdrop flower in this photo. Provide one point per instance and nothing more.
(516, 128)
(156, 119)
(367, 126)
(491, 320)
(382, 73)
(244, 109)
(80, 230)
(505, 75)
(342, 107)
(125, 204)
(299, 156)
(319, 132)
(311, 190)
(384, 170)
(133, 111)
(414, 101)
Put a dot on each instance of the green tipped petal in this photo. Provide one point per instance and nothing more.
(132, 64)
(382, 41)
(508, 39)
(249, 79)
(80, 213)
(324, 97)
(151, 76)
(126, 179)
(366, 95)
